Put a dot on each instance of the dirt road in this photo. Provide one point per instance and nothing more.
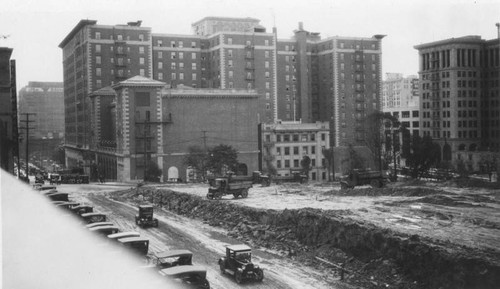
(206, 242)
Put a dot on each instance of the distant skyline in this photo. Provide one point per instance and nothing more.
(36, 28)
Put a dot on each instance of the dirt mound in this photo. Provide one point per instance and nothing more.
(373, 257)
(395, 191)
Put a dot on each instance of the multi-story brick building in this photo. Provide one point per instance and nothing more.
(335, 79)
(459, 94)
(141, 120)
(283, 145)
(8, 110)
(46, 100)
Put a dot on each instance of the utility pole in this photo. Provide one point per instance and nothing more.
(205, 149)
(27, 122)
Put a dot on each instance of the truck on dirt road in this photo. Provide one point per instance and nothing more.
(376, 179)
(223, 186)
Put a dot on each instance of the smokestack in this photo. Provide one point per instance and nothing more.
(301, 26)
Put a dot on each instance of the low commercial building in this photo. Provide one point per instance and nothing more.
(284, 145)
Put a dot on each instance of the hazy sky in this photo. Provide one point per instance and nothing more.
(36, 27)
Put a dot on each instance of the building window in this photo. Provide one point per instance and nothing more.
(181, 76)
(160, 65)
(98, 35)
(278, 164)
(181, 65)
(230, 63)
(173, 65)
(266, 64)
(268, 106)
(181, 44)
(98, 71)
(172, 43)
(193, 55)
(98, 83)
(193, 66)
(98, 48)
(295, 150)
(173, 76)
(266, 53)
(295, 163)
(287, 163)
(193, 44)
(230, 74)
(142, 72)
(160, 54)
(268, 85)
(172, 55)
(193, 76)
(141, 49)
(141, 60)
(181, 55)
(287, 151)
(160, 75)
(141, 37)
(231, 85)
(268, 95)
(159, 42)
(98, 60)
(266, 42)
(229, 40)
(230, 53)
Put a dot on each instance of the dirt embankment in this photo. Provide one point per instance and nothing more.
(373, 257)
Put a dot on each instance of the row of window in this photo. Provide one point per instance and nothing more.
(296, 163)
(175, 65)
(119, 37)
(471, 134)
(297, 137)
(295, 150)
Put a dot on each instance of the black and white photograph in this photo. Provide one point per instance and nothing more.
(344, 144)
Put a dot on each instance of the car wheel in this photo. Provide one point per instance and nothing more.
(238, 277)
(222, 267)
(244, 194)
(260, 275)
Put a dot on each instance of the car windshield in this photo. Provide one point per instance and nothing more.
(243, 256)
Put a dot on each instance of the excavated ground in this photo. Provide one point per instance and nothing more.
(410, 235)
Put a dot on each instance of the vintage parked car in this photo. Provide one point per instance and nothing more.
(98, 224)
(145, 217)
(191, 276)
(58, 196)
(82, 209)
(105, 230)
(95, 217)
(121, 235)
(167, 259)
(139, 245)
(67, 205)
(238, 263)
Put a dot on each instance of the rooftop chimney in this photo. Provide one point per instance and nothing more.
(301, 26)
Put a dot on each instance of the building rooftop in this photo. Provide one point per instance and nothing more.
(245, 19)
(139, 81)
(465, 39)
(296, 126)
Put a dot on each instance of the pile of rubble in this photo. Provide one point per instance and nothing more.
(371, 257)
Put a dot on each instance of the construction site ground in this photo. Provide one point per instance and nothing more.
(410, 234)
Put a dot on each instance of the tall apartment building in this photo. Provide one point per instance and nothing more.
(337, 79)
(8, 110)
(460, 99)
(46, 100)
(400, 99)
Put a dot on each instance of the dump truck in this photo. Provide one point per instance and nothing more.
(223, 186)
(376, 179)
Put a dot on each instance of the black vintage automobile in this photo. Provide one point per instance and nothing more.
(167, 259)
(191, 276)
(105, 230)
(238, 263)
(94, 217)
(145, 217)
(138, 245)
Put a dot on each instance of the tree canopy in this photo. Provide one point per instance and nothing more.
(423, 155)
(222, 158)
